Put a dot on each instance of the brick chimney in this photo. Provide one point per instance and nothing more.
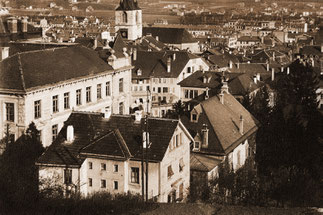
(134, 54)
(12, 25)
(138, 116)
(107, 113)
(24, 23)
(205, 136)
(207, 94)
(272, 74)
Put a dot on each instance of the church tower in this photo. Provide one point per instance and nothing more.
(129, 19)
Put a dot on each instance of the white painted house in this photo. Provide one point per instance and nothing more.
(99, 152)
(45, 86)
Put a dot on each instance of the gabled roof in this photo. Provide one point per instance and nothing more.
(154, 63)
(170, 35)
(118, 137)
(128, 5)
(29, 70)
(223, 121)
(239, 83)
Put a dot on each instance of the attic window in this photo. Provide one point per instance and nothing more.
(170, 172)
(194, 117)
(196, 146)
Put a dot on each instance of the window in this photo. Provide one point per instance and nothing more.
(116, 168)
(196, 145)
(54, 132)
(188, 69)
(10, 110)
(121, 108)
(195, 93)
(147, 88)
(194, 117)
(181, 165)
(79, 97)
(37, 109)
(159, 89)
(90, 165)
(120, 85)
(55, 104)
(88, 94)
(165, 89)
(90, 182)
(66, 101)
(99, 91)
(67, 176)
(180, 138)
(107, 89)
(186, 94)
(103, 184)
(177, 140)
(103, 166)
(124, 17)
(115, 185)
(238, 159)
(170, 172)
(135, 175)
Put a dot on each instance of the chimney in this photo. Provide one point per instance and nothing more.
(4, 53)
(95, 43)
(157, 38)
(262, 40)
(287, 70)
(305, 27)
(138, 116)
(267, 67)
(207, 94)
(274, 55)
(124, 51)
(134, 54)
(255, 79)
(238, 65)
(230, 64)
(174, 56)
(205, 134)
(169, 62)
(321, 47)
(282, 69)
(12, 25)
(272, 74)
(70, 134)
(107, 113)
(222, 98)
(24, 23)
(241, 125)
(258, 76)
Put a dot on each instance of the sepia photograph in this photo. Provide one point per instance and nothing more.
(161, 107)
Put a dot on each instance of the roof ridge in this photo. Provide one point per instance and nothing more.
(21, 73)
(43, 50)
(123, 142)
(95, 141)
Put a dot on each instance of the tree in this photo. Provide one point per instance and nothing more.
(18, 172)
(179, 109)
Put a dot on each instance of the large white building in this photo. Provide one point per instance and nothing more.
(102, 153)
(45, 86)
(128, 19)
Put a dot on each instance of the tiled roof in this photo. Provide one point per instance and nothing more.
(223, 121)
(203, 163)
(27, 70)
(239, 83)
(119, 137)
(128, 5)
(170, 35)
(155, 63)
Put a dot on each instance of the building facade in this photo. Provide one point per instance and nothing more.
(110, 161)
(35, 88)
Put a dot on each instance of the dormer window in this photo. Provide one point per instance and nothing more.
(194, 117)
(139, 72)
(196, 146)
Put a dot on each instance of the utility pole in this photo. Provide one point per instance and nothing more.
(147, 143)
(142, 173)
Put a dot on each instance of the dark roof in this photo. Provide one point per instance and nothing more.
(311, 50)
(27, 70)
(128, 5)
(119, 137)
(154, 63)
(239, 83)
(223, 122)
(170, 35)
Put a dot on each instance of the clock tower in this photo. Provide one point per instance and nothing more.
(128, 19)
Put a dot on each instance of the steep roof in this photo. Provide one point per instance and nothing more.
(119, 137)
(239, 83)
(128, 5)
(28, 70)
(153, 63)
(223, 121)
(170, 35)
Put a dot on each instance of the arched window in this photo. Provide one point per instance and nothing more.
(124, 17)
